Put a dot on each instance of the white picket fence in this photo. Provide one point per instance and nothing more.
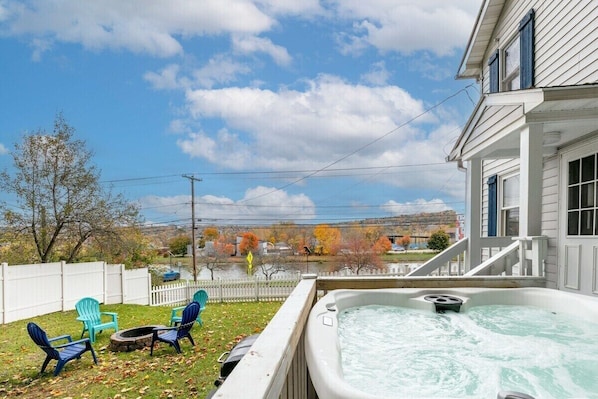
(251, 289)
(254, 289)
(33, 290)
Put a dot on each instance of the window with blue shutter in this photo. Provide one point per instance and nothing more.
(492, 206)
(526, 48)
(494, 72)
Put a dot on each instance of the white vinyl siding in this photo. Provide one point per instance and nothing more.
(493, 121)
(566, 40)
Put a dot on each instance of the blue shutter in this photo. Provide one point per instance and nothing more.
(492, 206)
(494, 78)
(526, 48)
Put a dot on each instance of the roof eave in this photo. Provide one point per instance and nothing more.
(479, 39)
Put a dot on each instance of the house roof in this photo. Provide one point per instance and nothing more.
(479, 40)
(567, 113)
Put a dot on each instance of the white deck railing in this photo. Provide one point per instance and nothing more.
(523, 256)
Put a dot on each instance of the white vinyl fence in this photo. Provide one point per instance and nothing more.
(33, 290)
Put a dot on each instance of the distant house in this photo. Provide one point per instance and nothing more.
(530, 147)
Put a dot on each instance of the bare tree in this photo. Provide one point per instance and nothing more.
(358, 254)
(270, 265)
(61, 204)
(214, 253)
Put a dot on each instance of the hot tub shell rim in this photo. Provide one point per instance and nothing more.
(321, 339)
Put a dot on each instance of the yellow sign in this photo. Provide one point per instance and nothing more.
(249, 264)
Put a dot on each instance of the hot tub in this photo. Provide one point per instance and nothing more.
(322, 344)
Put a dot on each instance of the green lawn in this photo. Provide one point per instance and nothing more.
(127, 374)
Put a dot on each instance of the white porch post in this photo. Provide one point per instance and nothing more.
(530, 181)
(473, 213)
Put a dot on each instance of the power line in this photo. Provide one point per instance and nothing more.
(366, 145)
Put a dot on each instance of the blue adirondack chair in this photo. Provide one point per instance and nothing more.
(172, 335)
(201, 297)
(91, 317)
(61, 353)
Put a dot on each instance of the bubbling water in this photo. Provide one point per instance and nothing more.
(400, 352)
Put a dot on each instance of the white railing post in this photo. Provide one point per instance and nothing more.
(150, 292)
(220, 289)
(539, 249)
(532, 255)
(3, 284)
(63, 289)
(257, 289)
(123, 284)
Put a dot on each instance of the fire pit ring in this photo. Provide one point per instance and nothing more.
(132, 339)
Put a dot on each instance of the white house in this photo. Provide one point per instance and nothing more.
(530, 147)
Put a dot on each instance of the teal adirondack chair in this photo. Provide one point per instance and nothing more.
(200, 297)
(93, 320)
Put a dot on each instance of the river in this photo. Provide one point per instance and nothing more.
(232, 271)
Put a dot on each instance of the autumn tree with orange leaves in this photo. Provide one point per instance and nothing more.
(249, 242)
(358, 254)
(382, 245)
(405, 241)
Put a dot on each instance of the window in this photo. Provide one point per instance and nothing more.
(511, 58)
(582, 212)
(516, 70)
(509, 211)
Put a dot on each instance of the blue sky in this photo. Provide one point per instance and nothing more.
(306, 111)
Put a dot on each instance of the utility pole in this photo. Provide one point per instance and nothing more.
(193, 179)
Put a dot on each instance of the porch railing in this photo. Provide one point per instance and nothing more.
(521, 256)
(450, 261)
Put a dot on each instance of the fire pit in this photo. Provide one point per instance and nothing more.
(132, 339)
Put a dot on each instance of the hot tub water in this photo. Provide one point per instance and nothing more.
(392, 351)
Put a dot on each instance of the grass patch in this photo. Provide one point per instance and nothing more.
(409, 256)
(127, 374)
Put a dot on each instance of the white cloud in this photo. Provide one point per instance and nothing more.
(407, 26)
(3, 149)
(140, 26)
(414, 207)
(301, 129)
(378, 74)
(432, 69)
(253, 44)
(166, 79)
(158, 28)
(303, 8)
(259, 204)
(330, 122)
(220, 69)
